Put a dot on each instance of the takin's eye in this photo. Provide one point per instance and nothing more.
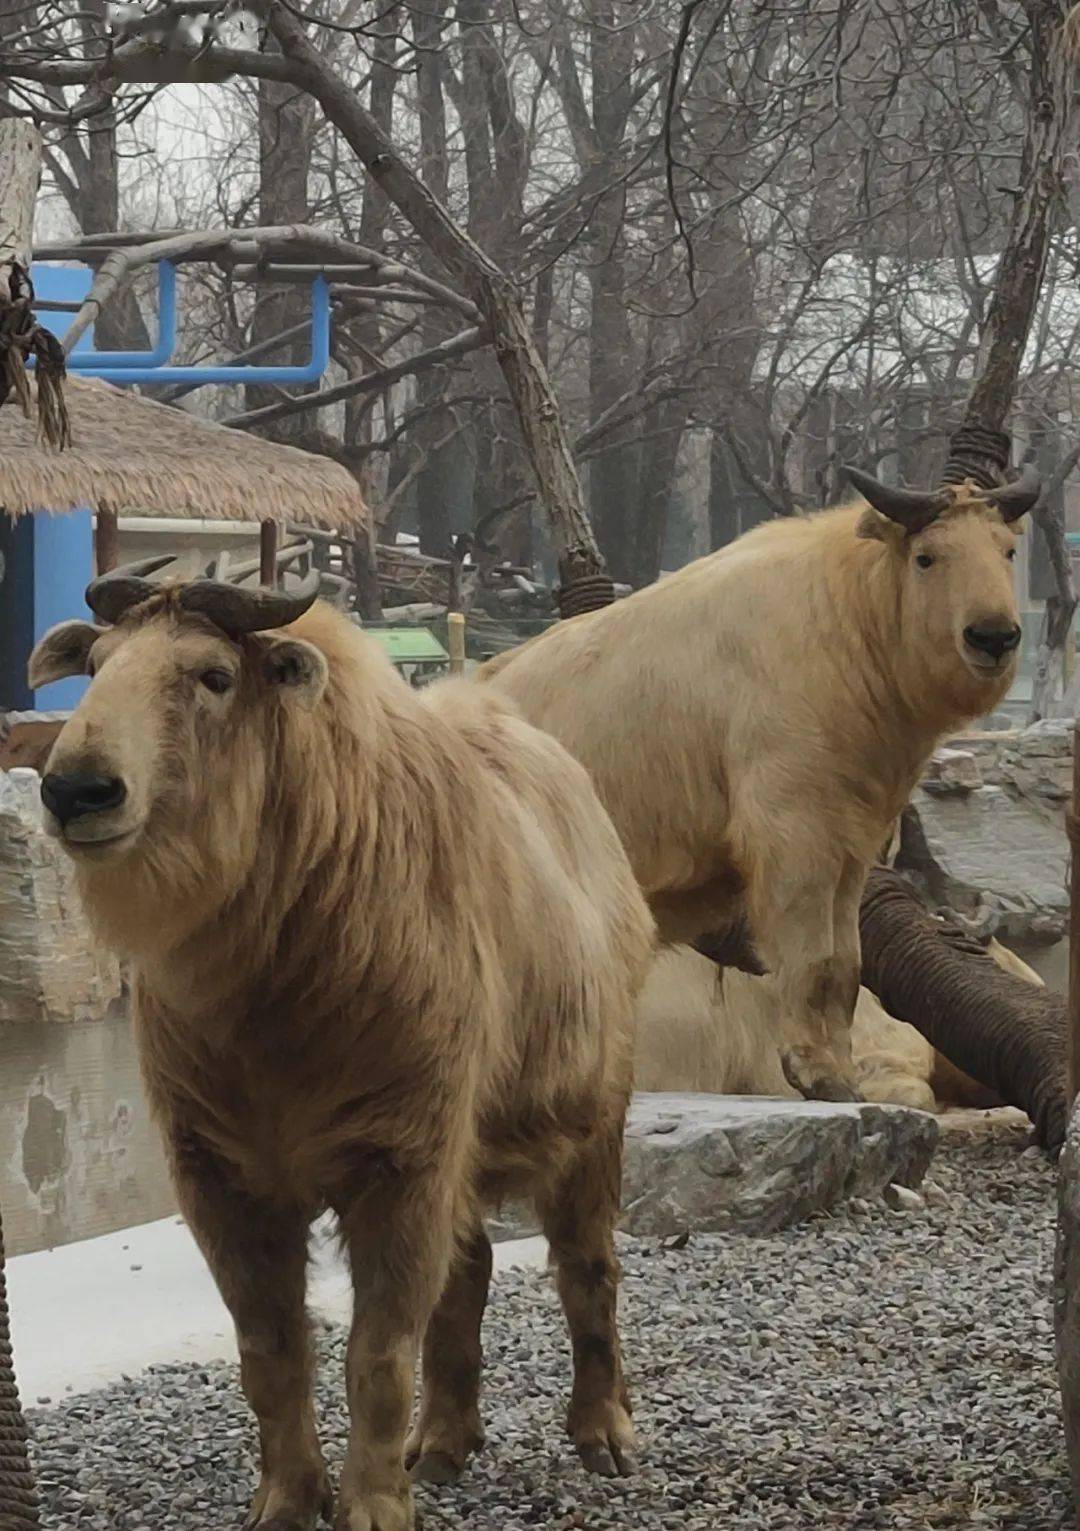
(1010, 554)
(217, 681)
(924, 560)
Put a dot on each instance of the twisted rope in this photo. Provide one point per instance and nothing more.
(977, 454)
(588, 592)
(20, 338)
(18, 1500)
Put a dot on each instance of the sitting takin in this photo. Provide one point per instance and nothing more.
(721, 1031)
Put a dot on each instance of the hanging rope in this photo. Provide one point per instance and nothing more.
(20, 338)
(18, 1500)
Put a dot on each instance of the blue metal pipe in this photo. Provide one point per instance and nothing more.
(110, 361)
(308, 372)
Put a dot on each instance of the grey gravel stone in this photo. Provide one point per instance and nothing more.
(860, 1371)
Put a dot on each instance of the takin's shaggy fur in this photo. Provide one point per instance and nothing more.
(386, 949)
(704, 1028)
(755, 723)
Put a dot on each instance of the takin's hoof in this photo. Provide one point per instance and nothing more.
(805, 1075)
(376, 1512)
(607, 1459)
(435, 1467)
(268, 1513)
(437, 1451)
(608, 1449)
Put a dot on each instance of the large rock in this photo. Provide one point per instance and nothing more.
(984, 835)
(79, 1154)
(717, 1162)
(1067, 1294)
(713, 1163)
(51, 968)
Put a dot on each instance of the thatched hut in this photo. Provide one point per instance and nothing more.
(132, 456)
(130, 453)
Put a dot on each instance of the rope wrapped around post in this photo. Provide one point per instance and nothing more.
(584, 586)
(18, 1499)
(977, 454)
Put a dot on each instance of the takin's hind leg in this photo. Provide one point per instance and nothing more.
(578, 1214)
(448, 1428)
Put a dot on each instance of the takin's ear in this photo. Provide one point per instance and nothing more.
(876, 527)
(298, 667)
(62, 652)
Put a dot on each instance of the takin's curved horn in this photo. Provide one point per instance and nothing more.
(1016, 499)
(245, 610)
(912, 509)
(111, 595)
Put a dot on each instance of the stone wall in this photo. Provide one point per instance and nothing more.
(985, 833)
(79, 1155)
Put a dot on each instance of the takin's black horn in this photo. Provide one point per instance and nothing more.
(237, 609)
(913, 509)
(111, 595)
(1016, 499)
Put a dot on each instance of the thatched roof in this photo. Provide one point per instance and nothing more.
(131, 454)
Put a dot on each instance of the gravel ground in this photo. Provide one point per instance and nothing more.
(868, 1369)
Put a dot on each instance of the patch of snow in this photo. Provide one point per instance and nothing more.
(86, 1314)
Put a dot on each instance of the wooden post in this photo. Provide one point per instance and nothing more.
(455, 628)
(106, 542)
(1072, 820)
(268, 551)
(20, 176)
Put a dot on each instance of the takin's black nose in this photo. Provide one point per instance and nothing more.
(991, 638)
(73, 797)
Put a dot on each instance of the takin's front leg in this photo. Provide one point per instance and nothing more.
(400, 1241)
(578, 1214)
(257, 1253)
(811, 923)
(449, 1429)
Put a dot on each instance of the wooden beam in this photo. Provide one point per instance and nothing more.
(455, 633)
(106, 542)
(268, 551)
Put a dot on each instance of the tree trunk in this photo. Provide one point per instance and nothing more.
(1048, 147)
(723, 502)
(286, 134)
(663, 424)
(613, 475)
(20, 176)
(497, 298)
(432, 507)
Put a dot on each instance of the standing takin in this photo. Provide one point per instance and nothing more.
(385, 949)
(755, 723)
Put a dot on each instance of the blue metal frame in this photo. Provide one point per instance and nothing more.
(306, 372)
(94, 361)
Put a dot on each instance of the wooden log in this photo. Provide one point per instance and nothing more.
(268, 550)
(106, 541)
(20, 177)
